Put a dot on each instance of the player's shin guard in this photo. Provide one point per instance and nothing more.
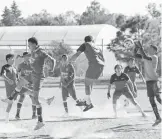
(34, 110)
(65, 106)
(39, 113)
(19, 105)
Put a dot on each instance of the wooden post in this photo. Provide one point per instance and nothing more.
(26, 45)
(102, 50)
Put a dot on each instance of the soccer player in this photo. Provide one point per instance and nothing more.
(9, 74)
(39, 56)
(122, 87)
(131, 70)
(24, 69)
(150, 67)
(95, 67)
(67, 81)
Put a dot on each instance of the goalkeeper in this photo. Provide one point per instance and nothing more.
(67, 81)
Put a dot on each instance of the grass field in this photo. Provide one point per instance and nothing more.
(97, 123)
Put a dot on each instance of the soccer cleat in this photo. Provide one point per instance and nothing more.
(7, 101)
(17, 117)
(81, 103)
(88, 107)
(158, 121)
(50, 100)
(39, 125)
(34, 116)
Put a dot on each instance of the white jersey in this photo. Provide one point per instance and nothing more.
(150, 68)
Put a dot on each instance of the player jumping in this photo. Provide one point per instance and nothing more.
(67, 81)
(151, 76)
(95, 67)
(122, 87)
(9, 74)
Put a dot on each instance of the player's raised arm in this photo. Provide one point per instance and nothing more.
(77, 54)
(145, 56)
(48, 57)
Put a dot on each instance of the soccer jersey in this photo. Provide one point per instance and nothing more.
(131, 72)
(93, 54)
(120, 82)
(150, 68)
(25, 70)
(67, 73)
(11, 73)
(39, 56)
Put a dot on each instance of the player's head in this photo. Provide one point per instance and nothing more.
(26, 56)
(64, 58)
(10, 59)
(32, 43)
(152, 50)
(118, 69)
(131, 62)
(88, 39)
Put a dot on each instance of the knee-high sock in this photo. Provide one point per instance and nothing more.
(39, 113)
(19, 105)
(65, 106)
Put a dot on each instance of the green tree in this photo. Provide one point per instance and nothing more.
(6, 17)
(153, 10)
(16, 15)
(120, 20)
(94, 14)
(41, 19)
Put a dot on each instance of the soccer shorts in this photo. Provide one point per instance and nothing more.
(37, 82)
(152, 88)
(118, 93)
(94, 71)
(68, 90)
(9, 89)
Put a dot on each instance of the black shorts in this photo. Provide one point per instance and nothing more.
(152, 88)
(94, 71)
(118, 93)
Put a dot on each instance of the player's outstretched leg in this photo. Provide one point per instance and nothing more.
(33, 108)
(88, 90)
(48, 100)
(155, 109)
(19, 105)
(137, 105)
(116, 96)
(64, 98)
(9, 106)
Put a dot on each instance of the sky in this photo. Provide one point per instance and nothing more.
(29, 7)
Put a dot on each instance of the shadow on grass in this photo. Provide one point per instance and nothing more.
(127, 128)
(76, 119)
(28, 137)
